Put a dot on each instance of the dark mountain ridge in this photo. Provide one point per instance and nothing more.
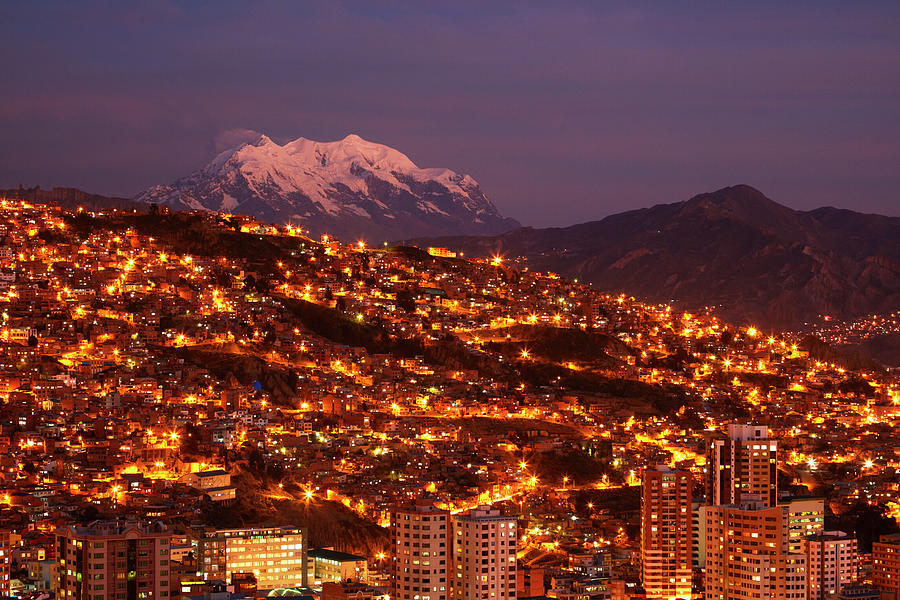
(757, 260)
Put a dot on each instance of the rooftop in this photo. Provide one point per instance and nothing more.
(329, 554)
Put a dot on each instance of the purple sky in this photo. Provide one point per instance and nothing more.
(564, 112)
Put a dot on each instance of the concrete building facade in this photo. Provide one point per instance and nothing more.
(743, 468)
(747, 556)
(666, 532)
(484, 555)
(806, 517)
(114, 560)
(831, 563)
(886, 566)
(275, 555)
(420, 552)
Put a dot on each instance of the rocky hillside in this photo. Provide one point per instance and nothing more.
(756, 260)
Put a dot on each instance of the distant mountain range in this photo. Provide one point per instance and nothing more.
(350, 188)
(756, 261)
(759, 262)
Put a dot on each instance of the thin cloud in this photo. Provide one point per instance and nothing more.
(231, 138)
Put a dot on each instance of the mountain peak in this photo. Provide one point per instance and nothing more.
(351, 188)
(741, 188)
(263, 140)
(758, 261)
(733, 197)
(745, 204)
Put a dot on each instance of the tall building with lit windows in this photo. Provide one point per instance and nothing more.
(752, 544)
(806, 517)
(743, 468)
(747, 555)
(420, 552)
(666, 532)
(115, 560)
(277, 556)
(886, 566)
(483, 555)
(831, 563)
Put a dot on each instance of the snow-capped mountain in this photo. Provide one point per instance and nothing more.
(350, 188)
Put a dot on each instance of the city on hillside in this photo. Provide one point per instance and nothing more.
(204, 406)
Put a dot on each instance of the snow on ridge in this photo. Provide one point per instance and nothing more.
(313, 168)
(347, 177)
(229, 203)
(428, 206)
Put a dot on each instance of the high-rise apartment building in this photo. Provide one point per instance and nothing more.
(483, 555)
(275, 555)
(831, 563)
(757, 547)
(742, 469)
(420, 536)
(116, 560)
(666, 532)
(886, 566)
(806, 516)
(747, 556)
